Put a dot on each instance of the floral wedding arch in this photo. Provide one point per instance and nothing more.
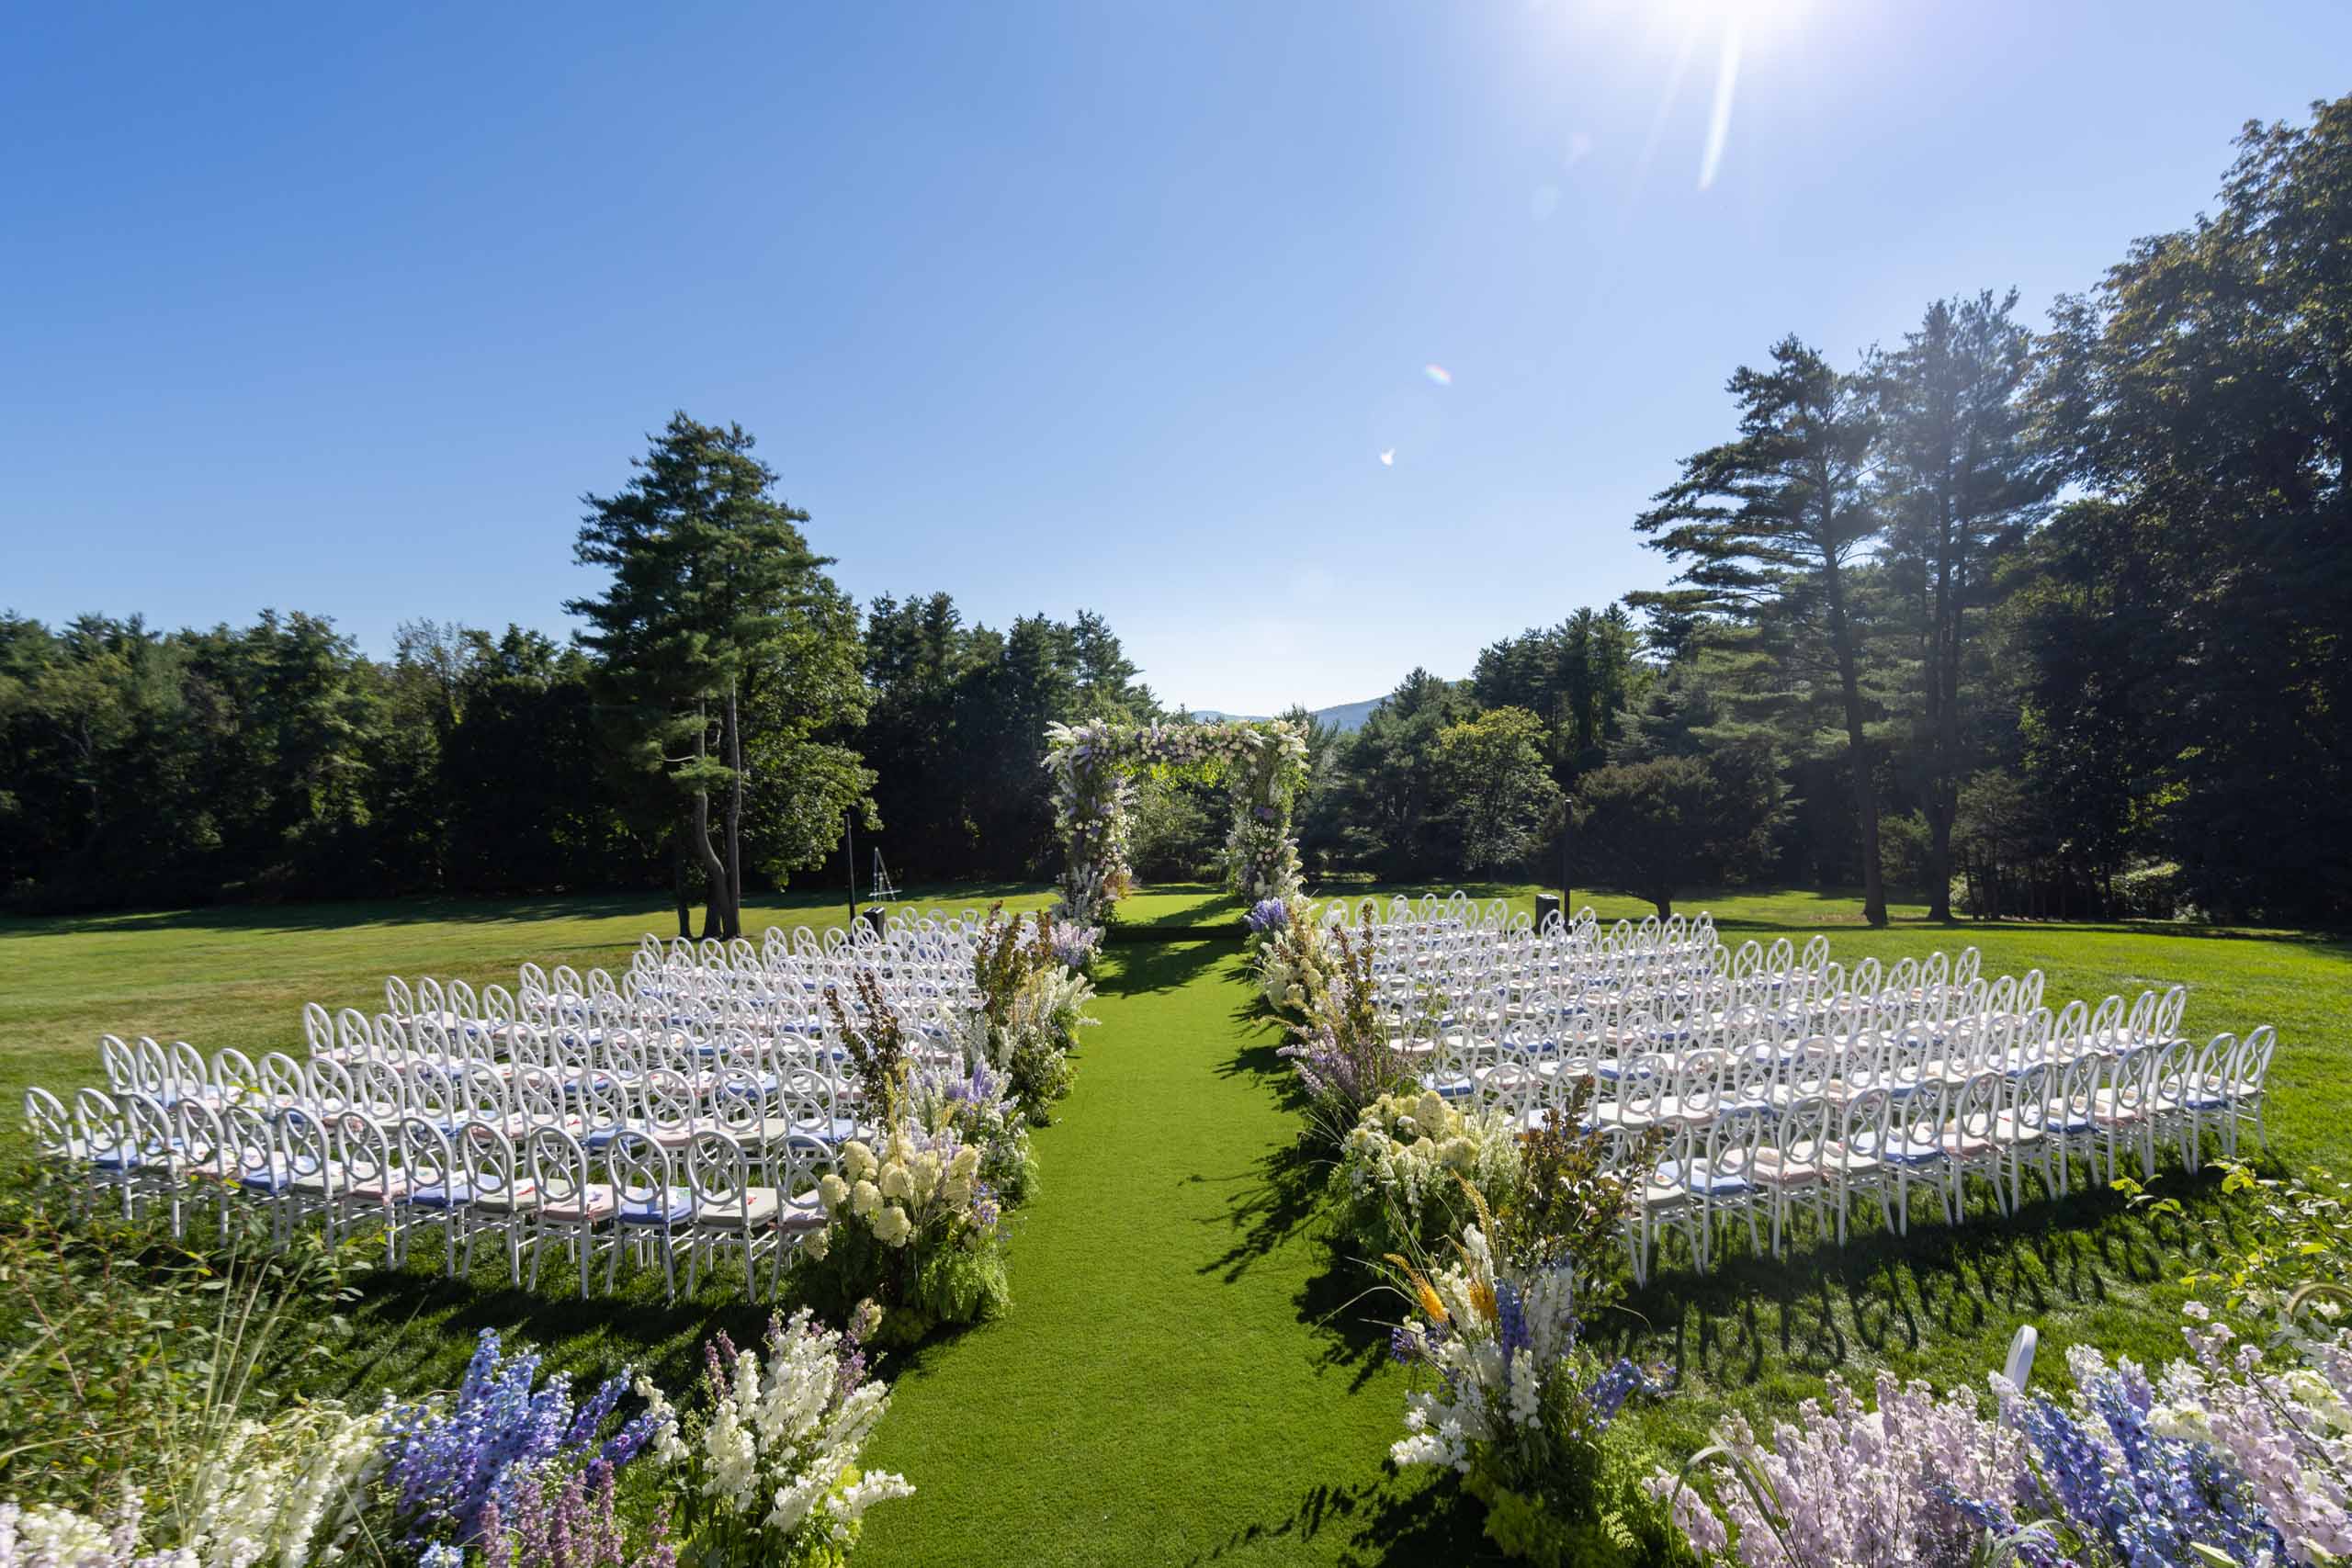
(1095, 765)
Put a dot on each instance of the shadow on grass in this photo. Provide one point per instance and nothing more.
(653, 905)
(1142, 969)
(415, 1328)
(1392, 1524)
(1885, 1298)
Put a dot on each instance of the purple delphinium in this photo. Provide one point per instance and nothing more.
(1613, 1387)
(1074, 945)
(499, 1434)
(569, 1525)
(1267, 915)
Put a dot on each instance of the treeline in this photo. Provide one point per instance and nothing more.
(278, 761)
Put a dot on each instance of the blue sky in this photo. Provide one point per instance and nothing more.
(1095, 305)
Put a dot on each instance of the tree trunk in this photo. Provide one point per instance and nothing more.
(678, 883)
(715, 915)
(1943, 713)
(734, 817)
(1849, 690)
(1665, 905)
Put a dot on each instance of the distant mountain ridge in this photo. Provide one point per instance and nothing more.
(1346, 717)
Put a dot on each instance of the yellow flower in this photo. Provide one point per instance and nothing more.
(1423, 1291)
(863, 1199)
(957, 1193)
(891, 1226)
(858, 1160)
(831, 1190)
(965, 1163)
(1429, 1113)
(895, 1183)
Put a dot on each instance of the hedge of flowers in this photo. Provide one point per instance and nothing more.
(1399, 1181)
(512, 1471)
(1094, 766)
(1033, 1004)
(1340, 1048)
(2238, 1452)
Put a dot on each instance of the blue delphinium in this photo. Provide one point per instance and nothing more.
(1511, 1319)
(1267, 915)
(2144, 1498)
(499, 1433)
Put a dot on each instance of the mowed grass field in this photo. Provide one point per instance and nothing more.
(1192, 1371)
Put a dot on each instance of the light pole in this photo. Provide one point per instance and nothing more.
(1567, 836)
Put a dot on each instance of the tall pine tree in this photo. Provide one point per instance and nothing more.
(1768, 529)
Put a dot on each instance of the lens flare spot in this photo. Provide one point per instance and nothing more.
(1439, 374)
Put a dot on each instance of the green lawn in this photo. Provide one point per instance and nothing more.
(1189, 1370)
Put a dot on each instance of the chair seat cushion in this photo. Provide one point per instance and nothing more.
(669, 1206)
(520, 1195)
(590, 1205)
(753, 1209)
(1793, 1169)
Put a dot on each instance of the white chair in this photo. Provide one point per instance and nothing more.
(501, 1198)
(569, 1209)
(1794, 1167)
(729, 1212)
(651, 1206)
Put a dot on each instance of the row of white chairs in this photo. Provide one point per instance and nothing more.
(1815, 1152)
(709, 1195)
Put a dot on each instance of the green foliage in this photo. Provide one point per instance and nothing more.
(2283, 1243)
(1769, 529)
(126, 1355)
(2192, 630)
(956, 734)
(1659, 827)
(720, 619)
(1491, 769)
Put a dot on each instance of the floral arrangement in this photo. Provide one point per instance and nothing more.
(1399, 1178)
(1094, 767)
(1848, 1484)
(913, 1226)
(1521, 1404)
(290, 1490)
(770, 1474)
(2232, 1464)
(1031, 1007)
(980, 1110)
(1074, 945)
(1341, 1049)
(446, 1462)
(1292, 955)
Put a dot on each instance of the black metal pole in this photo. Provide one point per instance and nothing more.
(849, 827)
(1567, 832)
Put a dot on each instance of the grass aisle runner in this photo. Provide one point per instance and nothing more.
(1160, 1391)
